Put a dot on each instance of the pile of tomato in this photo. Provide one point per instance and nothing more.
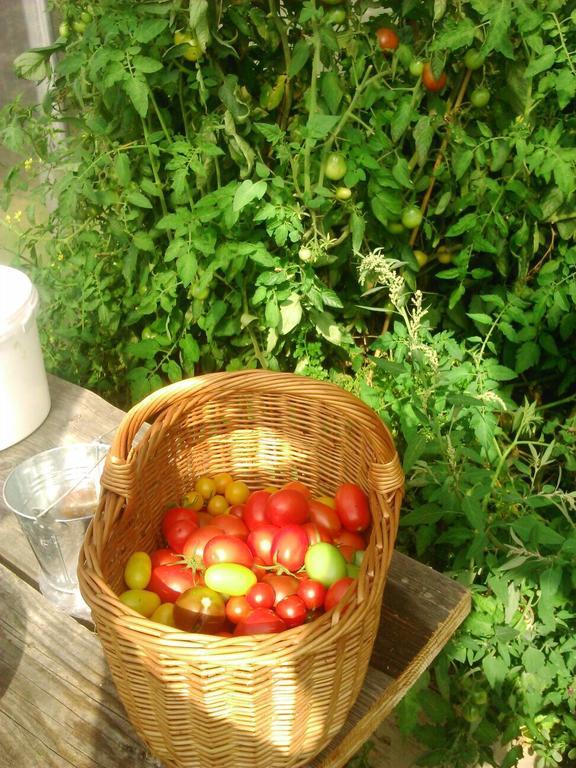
(242, 562)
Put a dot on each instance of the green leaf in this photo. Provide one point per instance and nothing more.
(148, 29)
(461, 162)
(247, 192)
(70, 64)
(499, 372)
(331, 90)
(172, 370)
(137, 90)
(190, 352)
(272, 313)
(495, 669)
(464, 224)
(32, 65)
(144, 349)
(500, 25)
(401, 172)
(527, 356)
(199, 23)
(146, 64)
(320, 126)
(327, 327)
(454, 35)
(122, 169)
(358, 227)
(300, 55)
(272, 133)
(144, 242)
(402, 119)
(512, 757)
(423, 134)
(290, 314)
(533, 660)
(330, 298)
(138, 199)
(542, 63)
(479, 317)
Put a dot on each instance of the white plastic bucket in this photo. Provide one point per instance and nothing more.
(24, 395)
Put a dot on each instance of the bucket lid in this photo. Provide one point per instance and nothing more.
(18, 300)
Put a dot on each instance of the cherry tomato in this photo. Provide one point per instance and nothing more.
(316, 533)
(282, 584)
(200, 609)
(255, 509)
(349, 539)
(387, 39)
(352, 507)
(343, 193)
(230, 578)
(324, 516)
(138, 570)
(416, 68)
(289, 547)
(205, 486)
(336, 16)
(473, 59)
(335, 166)
(287, 507)
(142, 601)
(237, 609)
(260, 541)
(194, 545)
(170, 581)
(175, 514)
(261, 595)
(312, 593)
(411, 217)
(296, 485)
(232, 526)
(236, 492)
(64, 30)
(192, 51)
(421, 257)
(164, 557)
(324, 563)
(262, 621)
(336, 592)
(164, 614)
(193, 500)
(480, 97)
(218, 505)
(221, 480)
(179, 532)
(430, 82)
(227, 549)
(292, 610)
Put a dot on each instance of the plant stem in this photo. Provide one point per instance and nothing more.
(316, 65)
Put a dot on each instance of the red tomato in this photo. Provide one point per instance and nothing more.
(316, 533)
(282, 584)
(259, 567)
(170, 581)
(292, 610)
(349, 539)
(205, 518)
(287, 507)
(261, 596)
(312, 593)
(177, 533)
(430, 82)
(237, 510)
(164, 557)
(174, 515)
(260, 541)
(352, 507)
(237, 609)
(324, 516)
(296, 485)
(387, 39)
(194, 544)
(336, 592)
(227, 549)
(347, 552)
(232, 526)
(261, 621)
(255, 509)
(289, 547)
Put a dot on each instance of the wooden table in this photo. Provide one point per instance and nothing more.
(58, 705)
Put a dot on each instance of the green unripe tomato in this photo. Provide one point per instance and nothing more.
(480, 97)
(79, 27)
(411, 217)
(64, 29)
(421, 258)
(473, 59)
(416, 68)
(325, 563)
(395, 227)
(86, 17)
(192, 50)
(343, 193)
(335, 166)
(336, 16)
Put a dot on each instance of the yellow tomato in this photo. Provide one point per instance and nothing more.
(138, 570)
(193, 500)
(141, 600)
(421, 258)
(218, 505)
(192, 51)
(164, 614)
(206, 486)
(221, 480)
(237, 492)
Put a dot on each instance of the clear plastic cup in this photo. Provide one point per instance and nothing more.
(54, 495)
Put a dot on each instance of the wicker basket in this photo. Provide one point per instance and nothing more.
(268, 701)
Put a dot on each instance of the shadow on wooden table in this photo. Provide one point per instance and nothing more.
(12, 635)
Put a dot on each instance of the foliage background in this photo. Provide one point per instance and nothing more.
(185, 223)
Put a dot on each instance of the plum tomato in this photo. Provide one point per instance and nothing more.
(289, 547)
(255, 509)
(200, 609)
(296, 485)
(316, 533)
(430, 82)
(352, 507)
(175, 514)
(230, 578)
(292, 610)
(237, 609)
(287, 507)
(324, 563)
(179, 532)
(170, 581)
(227, 549)
(221, 480)
(164, 557)
(324, 516)
(312, 593)
(261, 595)
(387, 39)
(260, 541)
(282, 584)
(262, 621)
(336, 592)
(193, 548)
(236, 492)
(232, 526)
(142, 601)
(164, 614)
(138, 570)
(349, 539)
